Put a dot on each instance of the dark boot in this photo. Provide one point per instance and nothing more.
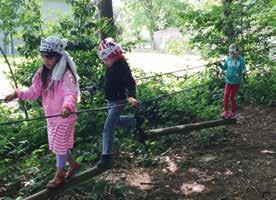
(139, 120)
(139, 134)
(105, 162)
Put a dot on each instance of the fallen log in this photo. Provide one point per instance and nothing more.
(76, 180)
(152, 134)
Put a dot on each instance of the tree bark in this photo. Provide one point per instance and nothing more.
(106, 13)
(228, 27)
(148, 8)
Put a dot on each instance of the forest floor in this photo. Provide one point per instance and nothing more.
(241, 167)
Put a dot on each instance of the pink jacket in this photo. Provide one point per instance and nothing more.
(64, 95)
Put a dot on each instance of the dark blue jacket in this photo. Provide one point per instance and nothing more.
(118, 81)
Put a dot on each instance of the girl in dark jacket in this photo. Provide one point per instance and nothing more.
(119, 88)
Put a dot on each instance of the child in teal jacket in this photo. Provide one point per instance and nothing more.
(234, 68)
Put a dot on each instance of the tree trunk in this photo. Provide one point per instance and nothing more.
(106, 13)
(228, 27)
(12, 50)
(147, 5)
(152, 39)
(5, 46)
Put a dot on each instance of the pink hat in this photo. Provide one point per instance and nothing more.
(108, 48)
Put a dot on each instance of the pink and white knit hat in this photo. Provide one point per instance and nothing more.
(108, 48)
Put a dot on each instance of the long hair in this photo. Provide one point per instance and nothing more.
(46, 73)
(117, 57)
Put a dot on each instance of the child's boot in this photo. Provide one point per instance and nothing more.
(232, 115)
(58, 180)
(105, 162)
(225, 115)
(73, 168)
(139, 134)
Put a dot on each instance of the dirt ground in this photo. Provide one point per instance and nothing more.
(240, 168)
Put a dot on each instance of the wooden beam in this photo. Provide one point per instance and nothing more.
(152, 134)
(76, 180)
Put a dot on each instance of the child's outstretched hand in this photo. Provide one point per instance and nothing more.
(133, 101)
(10, 97)
(65, 113)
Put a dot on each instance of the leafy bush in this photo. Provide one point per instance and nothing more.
(23, 146)
(178, 46)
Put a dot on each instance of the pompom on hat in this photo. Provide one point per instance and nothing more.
(108, 48)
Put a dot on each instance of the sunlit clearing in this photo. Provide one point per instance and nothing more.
(172, 166)
(141, 180)
(267, 151)
(190, 188)
(193, 170)
(207, 158)
(228, 172)
(160, 63)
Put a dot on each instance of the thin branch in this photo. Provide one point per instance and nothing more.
(15, 86)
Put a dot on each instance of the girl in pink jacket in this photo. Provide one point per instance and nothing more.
(56, 82)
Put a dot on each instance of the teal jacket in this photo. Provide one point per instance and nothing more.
(234, 69)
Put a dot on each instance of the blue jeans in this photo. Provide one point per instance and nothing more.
(113, 120)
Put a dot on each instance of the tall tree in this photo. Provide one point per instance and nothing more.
(106, 13)
(11, 14)
(9, 18)
(248, 23)
(153, 14)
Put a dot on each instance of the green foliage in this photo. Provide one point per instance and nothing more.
(21, 19)
(25, 162)
(154, 15)
(30, 28)
(9, 17)
(249, 24)
(177, 46)
(24, 140)
(260, 87)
